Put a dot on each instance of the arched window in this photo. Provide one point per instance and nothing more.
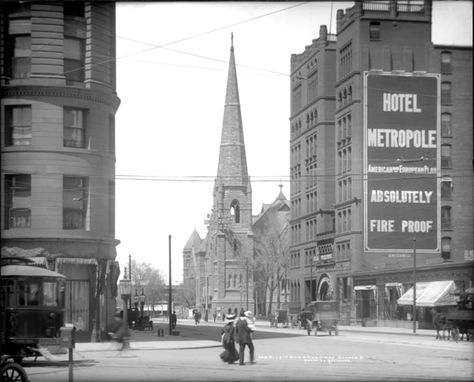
(349, 94)
(235, 281)
(235, 210)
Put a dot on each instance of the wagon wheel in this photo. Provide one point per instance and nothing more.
(13, 372)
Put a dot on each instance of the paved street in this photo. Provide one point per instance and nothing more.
(282, 354)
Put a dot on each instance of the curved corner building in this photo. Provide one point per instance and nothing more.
(58, 105)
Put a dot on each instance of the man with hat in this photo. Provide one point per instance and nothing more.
(243, 336)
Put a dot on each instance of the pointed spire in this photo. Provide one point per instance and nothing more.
(232, 168)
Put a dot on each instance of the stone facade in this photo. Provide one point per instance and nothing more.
(58, 105)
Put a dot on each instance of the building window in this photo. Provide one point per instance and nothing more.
(446, 188)
(235, 211)
(17, 201)
(374, 31)
(446, 93)
(18, 126)
(446, 217)
(75, 202)
(74, 128)
(73, 60)
(446, 126)
(74, 9)
(21, 60)
(446, 160)
(446, 248)
(446, 63)
(345, 63)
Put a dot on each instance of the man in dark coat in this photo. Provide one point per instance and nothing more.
(243, 337)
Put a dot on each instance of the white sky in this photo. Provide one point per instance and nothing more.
(170, 118)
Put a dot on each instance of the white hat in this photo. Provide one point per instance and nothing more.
(248, 314)
(230, 318)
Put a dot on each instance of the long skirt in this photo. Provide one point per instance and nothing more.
(230, 354)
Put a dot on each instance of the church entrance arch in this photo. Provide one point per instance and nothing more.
(325, 289)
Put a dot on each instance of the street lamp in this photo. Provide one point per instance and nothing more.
(142, 303)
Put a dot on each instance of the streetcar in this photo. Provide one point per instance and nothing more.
(32, 308)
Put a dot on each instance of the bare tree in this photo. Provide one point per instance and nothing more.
(271, 255)
(150, 279)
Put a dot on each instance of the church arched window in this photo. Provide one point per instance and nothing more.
(235, 210)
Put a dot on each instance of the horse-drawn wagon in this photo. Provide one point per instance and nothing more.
(325, 316)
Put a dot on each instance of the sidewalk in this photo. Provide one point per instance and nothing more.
(149, 340)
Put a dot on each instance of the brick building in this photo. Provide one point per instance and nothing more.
(58, 104)
(391, 39)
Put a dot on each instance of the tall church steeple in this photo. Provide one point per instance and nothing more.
(232, 168)
(230, 229)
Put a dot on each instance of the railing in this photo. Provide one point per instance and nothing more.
(411, 6)
(381, 6)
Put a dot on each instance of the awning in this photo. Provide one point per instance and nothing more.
(431, 294)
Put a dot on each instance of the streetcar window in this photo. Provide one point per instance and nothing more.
(50, 294)
(8, 293)
(29, 294)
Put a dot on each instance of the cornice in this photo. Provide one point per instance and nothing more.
(61, 92)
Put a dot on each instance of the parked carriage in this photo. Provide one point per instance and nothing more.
(32, 301)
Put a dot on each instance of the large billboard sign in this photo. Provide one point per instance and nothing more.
(401, 162)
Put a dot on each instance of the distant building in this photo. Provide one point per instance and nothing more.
(58, 105)
(368, 259)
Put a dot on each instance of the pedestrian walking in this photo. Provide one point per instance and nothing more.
(230, 354)
(243, 337)
(215, 316)
(121, 333)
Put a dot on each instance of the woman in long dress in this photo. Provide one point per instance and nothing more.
(230, 354)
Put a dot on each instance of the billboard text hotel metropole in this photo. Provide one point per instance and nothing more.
(401, 162)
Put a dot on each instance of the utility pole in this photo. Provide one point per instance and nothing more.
(130, 274)
(170, 288)
(414, 284)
